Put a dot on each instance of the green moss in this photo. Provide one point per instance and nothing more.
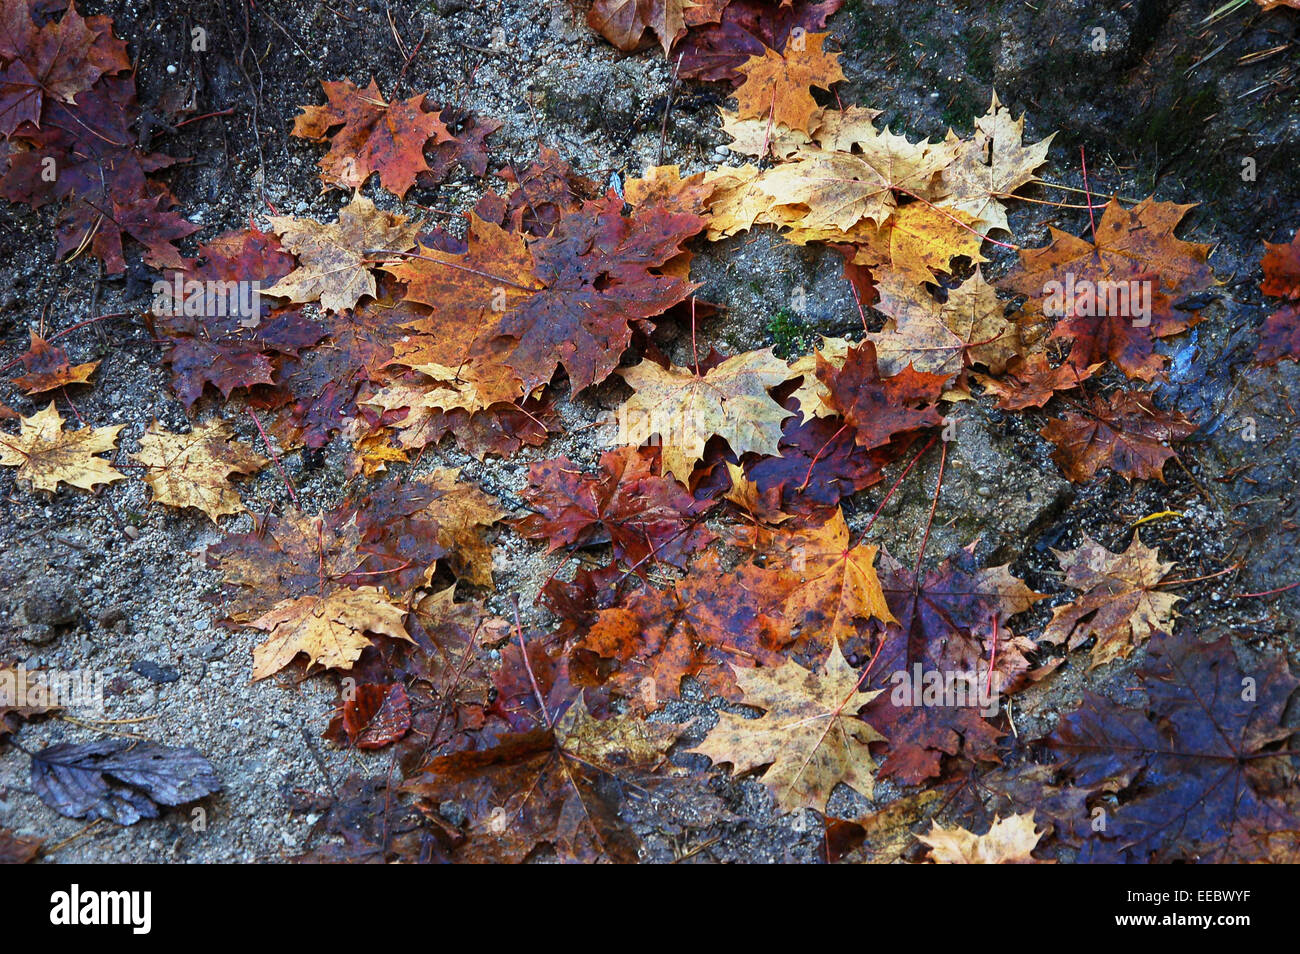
(789, 334)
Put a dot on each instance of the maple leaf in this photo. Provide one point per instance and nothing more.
(330, 630)
(192, 470)
(1030, 381)
(918, 240)
(812, 397)
(1280, 336)
(540, 196)
(1009, 841)
(878, 407)
(685, 409)
(625, 22)
(776, 85)
(59, 60)
(809, 735)
(48, 368)
(544, 787)
(1124, 432)
(836, 190)
(46, 454)
(288, 556)
(423, 519)
(208, 342)
(952, 622)
(990, 166)
(102, 178)
(1281, 265)
(642, 515)
(1195, 769)
(1131, 245)
(720, 41)
(819, 462)
(697, 628)
(375, 715)
(838, 585)
(968, 328)
(566, 298)
(332, 258)
(1120, 606)
(376, 137)
(467, 148)
(22, 696)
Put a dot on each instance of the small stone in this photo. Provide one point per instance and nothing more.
(154, 672)
(38, 634)
(52, 608)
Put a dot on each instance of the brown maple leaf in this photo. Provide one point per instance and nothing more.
(776, 86)
(546, 787)
(1030, 381)
(565, 299)
(696, 628)
(1281, 265)
(376, 137)
(642, 515)
(1119, 606)
(211, 342)
(625, 22)
(59, 60)
(1125, 432)
(48, 368)
(878, 407)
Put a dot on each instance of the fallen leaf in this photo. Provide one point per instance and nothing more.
(685, 409)
(48, 368)
(330, 630)
(1124, 432)
(1009, 841)
(119, 780)
(1119, 607)
(193, 470)
(332, 258)
(776, 85)
(809, 735)
(46, 454)
(376, 137)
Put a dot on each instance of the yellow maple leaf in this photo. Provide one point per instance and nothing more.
(683, 409)
(1008, 841)
(192, 470)
(809, 736)
(777, 85)
(333, 258)
(331, 630)
(942, 337)
(838, 585)
(46, 454)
